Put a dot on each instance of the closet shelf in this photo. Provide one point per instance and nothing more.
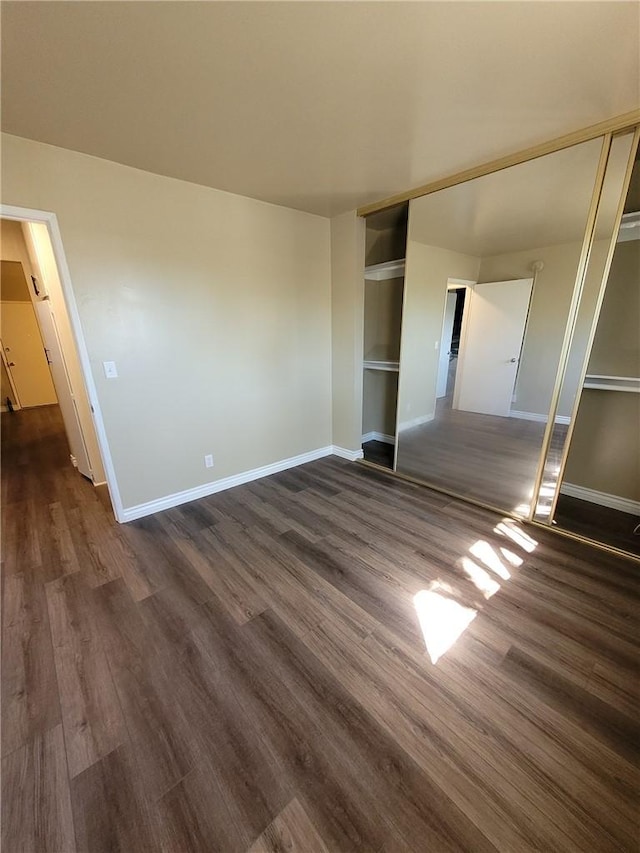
(612, 383)
(388, 366)
(382, 358)
(384, 272)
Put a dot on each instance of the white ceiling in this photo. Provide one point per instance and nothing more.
(320, 106)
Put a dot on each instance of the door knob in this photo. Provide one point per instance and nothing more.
(513, 360)
(11, 363)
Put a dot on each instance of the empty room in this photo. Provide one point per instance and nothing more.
(320, 338)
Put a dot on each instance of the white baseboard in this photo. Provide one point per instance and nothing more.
(536, 416)
(149, 508)
(601, 498)
(378, 436)
(343, 453)
(414, 422)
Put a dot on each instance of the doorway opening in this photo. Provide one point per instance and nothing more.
(450, 343)
(44, 375)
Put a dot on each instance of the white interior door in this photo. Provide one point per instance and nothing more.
(489, 355)
(445, 343)
(62, 383)
(25, 356)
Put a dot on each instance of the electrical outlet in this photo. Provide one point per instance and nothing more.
(208, 460)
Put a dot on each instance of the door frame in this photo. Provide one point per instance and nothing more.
(24, 214)
(469, 286)
(441, 354)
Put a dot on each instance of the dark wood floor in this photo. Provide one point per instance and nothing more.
(248, 672)
(378, 452)
(607, 525)
(483, 457)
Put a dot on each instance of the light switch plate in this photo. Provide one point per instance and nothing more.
(110, 370)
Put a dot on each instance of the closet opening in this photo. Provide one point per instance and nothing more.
(386, 238)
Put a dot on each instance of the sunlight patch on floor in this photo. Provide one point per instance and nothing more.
(512, 530)
(490, 558)
(442, 619)
(510, 557)
(480, 578)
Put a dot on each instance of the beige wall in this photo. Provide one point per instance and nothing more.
(427, 271)
(616, 346)
(547, 320)
(388, 244)
(380, 397)
(347, 315)
(605, 448)
(216, 309)
(382, 318)
(12, 245)
(13, 283)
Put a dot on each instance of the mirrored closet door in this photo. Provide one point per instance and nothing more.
(491, 269)
(502, 340)
(595, 489)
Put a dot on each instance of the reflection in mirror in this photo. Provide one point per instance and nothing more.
(600, 493)
(490, 272)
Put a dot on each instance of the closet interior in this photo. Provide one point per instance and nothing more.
(386, 236)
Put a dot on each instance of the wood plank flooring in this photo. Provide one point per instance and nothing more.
(486, 458)
(607, 525)
(254, 671)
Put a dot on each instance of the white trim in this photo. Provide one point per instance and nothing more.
(470, 287)
(23, 214)
(601, 498)
(386, 366)
(385, 271)
(343, 453)
(603, 382)
(378, 436)
(414, 422)
(629, 227)
(539, 418)
(151, 507)
(458, 283)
